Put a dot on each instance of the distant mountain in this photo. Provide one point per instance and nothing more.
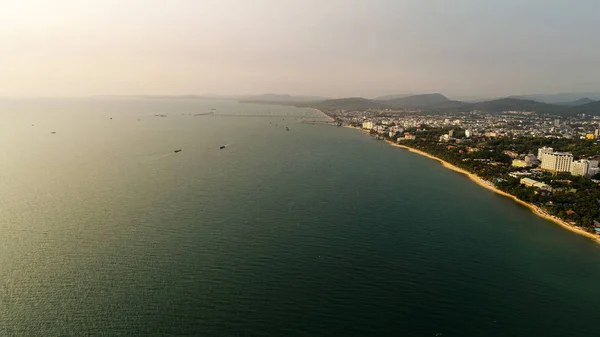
(350, 103)
(559, 98)
(389, 97)
(433, 104)
(592, 108)
(417, 101)
(512, 104)
(280, 98)
(437, 103)
(580, 101)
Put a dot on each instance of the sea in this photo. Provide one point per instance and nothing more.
(315, 231)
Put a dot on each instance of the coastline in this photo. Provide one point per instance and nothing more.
(479, 181)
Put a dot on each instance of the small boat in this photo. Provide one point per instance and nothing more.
(176, 151)
(53, 132)
(221, 147)
(287, 129)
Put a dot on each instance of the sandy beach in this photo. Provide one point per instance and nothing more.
(536, 210)
(491, 187)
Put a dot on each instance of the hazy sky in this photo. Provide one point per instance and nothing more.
(325, 47)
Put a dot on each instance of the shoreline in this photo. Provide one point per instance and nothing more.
(481, 182)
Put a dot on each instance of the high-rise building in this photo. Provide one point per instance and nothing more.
(451, 133)
(580, 168)
(542, 151)
(557, 122)
(468, 133)
(584, 167)
(557, 161)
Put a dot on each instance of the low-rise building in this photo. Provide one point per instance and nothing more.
(407, 136)
(368, 125)
(534, 183)
(531, 159)
(520, 163)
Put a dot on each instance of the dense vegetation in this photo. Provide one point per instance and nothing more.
(574, 199)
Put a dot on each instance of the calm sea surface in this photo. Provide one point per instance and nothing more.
(319, 231)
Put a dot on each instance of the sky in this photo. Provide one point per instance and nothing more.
(333, 48)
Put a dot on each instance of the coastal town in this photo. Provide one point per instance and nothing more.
(548, 163)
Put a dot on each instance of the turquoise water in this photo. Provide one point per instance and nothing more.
(104, 230)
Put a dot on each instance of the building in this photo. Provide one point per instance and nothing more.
(531, 159)
(367, 125)
(584, 167)
(511, 154)
(557, 122)
(597, 133)
(520, 163)
(580, 167)
(589, 136)
(542, 151)
(463, 141)
(518, 175)
(445, 138)
(557, 162)
(534, 183)
(594, 169)
(468, 133)
(407, 136)
(451, 133)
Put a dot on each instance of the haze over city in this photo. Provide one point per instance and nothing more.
(336, 48)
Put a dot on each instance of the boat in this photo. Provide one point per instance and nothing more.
(287, 129)
(221, 147)
(176, 151)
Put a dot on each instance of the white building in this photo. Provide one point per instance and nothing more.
(542, 151)
(445, 138)
(367, 125)
(584, 167)
(468, 133)
(557, 161)
(580, 167)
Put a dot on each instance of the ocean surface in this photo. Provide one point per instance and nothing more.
(316, 231)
